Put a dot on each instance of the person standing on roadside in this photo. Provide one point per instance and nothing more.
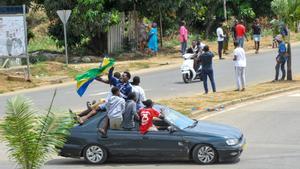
(239, 67)
(183, 37)
(226, 29)
(207, 69)
(281, 58)
(221, 36)
(142, 35)
(153, 39)
(241, 33)
(233, 30)
(256, 34)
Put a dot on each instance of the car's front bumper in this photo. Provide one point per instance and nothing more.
(232, 153)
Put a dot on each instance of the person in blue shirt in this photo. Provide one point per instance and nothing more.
(281, 58)
(122, 84)
(153, 39)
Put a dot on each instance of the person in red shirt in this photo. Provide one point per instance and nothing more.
(240, 30)
(146, 115)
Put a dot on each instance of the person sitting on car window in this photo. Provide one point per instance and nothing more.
(115, 108)
(130, 113)
(92, 109)
(146, 115)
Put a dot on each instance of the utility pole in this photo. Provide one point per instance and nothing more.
(289, 61)
(160, 23)
(225, 11)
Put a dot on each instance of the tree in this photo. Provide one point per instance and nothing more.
(289, 13)
(88, 23)
(30, 137)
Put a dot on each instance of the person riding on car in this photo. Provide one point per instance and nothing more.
(130, 113)
(115, 108)
(147, 114)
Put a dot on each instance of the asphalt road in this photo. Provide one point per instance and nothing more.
(271, 127)
(163, 84)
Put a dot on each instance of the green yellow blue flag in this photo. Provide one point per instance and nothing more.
(85, 79)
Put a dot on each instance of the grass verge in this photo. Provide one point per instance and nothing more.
(202, 102)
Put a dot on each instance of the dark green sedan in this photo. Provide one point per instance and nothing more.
(178, 138)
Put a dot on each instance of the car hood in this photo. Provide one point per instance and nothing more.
(215, 129)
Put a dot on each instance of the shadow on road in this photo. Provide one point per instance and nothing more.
(192, 82)
(81, 162)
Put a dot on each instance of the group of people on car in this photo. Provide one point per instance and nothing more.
(126, 105)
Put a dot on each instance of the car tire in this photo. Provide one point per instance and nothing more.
(204, 154)
(95, 154)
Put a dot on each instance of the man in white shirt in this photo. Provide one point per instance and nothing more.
(221, 36)
(240, 66)
(139, 92)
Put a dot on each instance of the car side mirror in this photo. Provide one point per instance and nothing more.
(172, 129)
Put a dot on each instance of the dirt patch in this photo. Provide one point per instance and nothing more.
(188, 105)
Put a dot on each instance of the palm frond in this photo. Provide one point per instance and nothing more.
(32, 139)
(17, 130)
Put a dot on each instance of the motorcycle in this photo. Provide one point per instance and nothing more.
(187, 68)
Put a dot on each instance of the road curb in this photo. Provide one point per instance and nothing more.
(241, 100)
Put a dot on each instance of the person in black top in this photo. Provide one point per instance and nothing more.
(207, 69)
(233, 32)
(256, 34)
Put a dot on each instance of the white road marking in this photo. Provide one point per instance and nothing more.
(295, 95)
(243, 104)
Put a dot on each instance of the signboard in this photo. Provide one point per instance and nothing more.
(12, 36)
(64, 15)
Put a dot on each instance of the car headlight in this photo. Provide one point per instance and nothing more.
(232, 141)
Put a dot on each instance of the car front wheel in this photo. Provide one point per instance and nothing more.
(204, 154)
(95, 154)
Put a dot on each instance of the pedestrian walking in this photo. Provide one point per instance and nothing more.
(280, 59)
(241, 33)
(153, 39)
(221, 36)
(256, 29)
(207, 69)
(183, 37)
(239, 67)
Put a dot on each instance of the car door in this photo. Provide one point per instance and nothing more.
(162, 144)
(121, 142)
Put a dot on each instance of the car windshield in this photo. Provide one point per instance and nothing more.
(175, 118)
